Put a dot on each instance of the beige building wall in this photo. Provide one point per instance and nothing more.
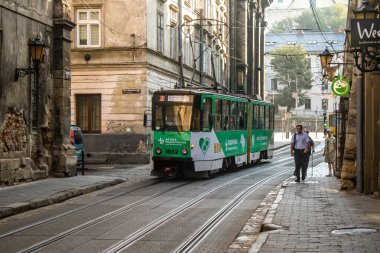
(116, 67)
(126, 67)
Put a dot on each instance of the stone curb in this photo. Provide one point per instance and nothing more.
(281, 146)
(17, 208)
(267, 226)
(251, 238)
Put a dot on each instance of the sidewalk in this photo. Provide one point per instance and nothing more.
(27, 196)
(304, 215)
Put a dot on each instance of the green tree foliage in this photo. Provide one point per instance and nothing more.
(293, 73)
(330, 18)
(285, 26)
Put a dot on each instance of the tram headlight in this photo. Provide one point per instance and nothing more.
(191, 146)
(158, 150)
(184, 151)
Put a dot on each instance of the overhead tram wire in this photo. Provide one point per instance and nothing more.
(319, 26)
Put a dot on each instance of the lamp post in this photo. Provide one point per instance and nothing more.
(326, 58)
(36, 48)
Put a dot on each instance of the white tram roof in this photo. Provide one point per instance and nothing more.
(195, 91)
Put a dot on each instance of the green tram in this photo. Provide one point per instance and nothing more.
(206, 132)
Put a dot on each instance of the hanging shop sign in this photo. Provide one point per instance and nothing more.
(365, 32)
(340, 86)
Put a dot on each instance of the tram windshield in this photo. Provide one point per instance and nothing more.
(172, 116)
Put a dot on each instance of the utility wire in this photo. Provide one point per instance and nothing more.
(317, 20)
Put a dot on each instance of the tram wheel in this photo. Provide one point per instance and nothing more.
(224, 165)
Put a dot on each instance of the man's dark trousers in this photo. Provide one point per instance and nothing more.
(300, 161)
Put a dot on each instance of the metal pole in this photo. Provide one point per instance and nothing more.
(201, 51)
(180, 58)
(82, 162)
(316, 124)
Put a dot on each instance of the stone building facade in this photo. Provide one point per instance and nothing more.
(360, 168)
(247, 25)
(124, 51)
(35, 108)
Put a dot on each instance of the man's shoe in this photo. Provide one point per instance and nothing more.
(297, 180)
(303, 179)
(329, 175)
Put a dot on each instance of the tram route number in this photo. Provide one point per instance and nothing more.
(171, 151)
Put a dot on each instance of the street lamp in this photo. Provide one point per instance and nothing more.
(365, 11)
(36, 48)
(326, 58)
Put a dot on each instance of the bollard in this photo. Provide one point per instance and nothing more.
(82, 163)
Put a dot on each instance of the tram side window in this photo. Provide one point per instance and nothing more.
(217, 114)
(226, 113)
(196, 120)
(272, 117)
(267, 117)
(255, 118)
(233, 116)
(158, 118)
(206, 115)
(242, 115)
(261, 121)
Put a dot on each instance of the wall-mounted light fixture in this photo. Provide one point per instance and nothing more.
(326, 58)
(36, 48)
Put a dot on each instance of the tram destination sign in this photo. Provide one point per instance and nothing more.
(365, 32)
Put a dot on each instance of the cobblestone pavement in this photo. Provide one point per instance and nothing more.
(303, 215)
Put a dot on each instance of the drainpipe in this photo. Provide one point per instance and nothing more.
(256, 55)
(250, 25)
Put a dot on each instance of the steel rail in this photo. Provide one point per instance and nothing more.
(95, 221)
(200, 234)
(127, 241)
(56, 217)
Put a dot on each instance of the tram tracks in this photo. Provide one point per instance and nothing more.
(201, 233)
(75, 210)
(127, 241)
(158, 222)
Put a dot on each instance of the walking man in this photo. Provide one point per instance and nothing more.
(329, 152)
(299, 148)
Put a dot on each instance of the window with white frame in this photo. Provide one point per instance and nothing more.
(88, 27)
(187, 54)
(173, 41)
(173, 15)
(196, 49)
(160, 32)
